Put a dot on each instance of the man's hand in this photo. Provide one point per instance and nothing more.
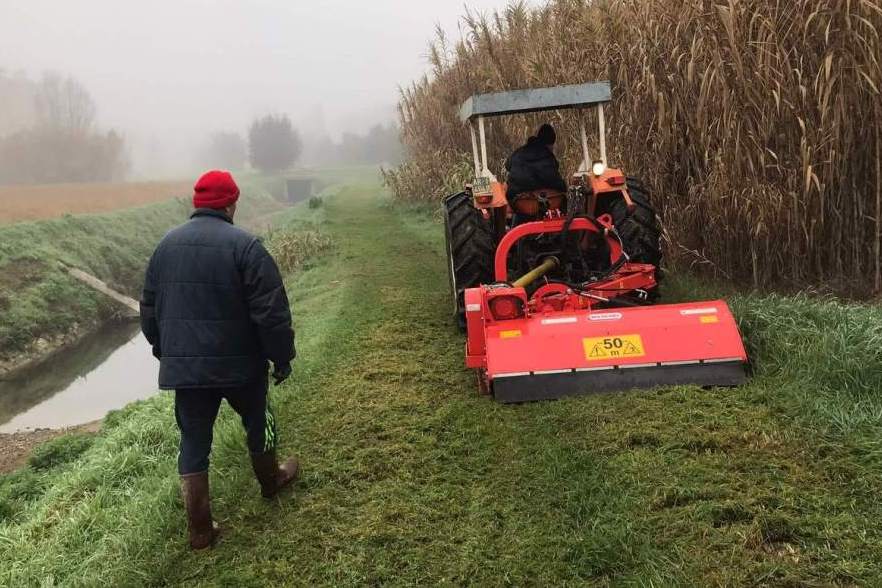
(281, 372)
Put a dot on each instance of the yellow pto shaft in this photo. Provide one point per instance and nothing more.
(549, 264)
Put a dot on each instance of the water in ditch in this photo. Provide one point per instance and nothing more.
(81, 383)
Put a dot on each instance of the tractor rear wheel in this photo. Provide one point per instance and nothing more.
(470, 249)
(640, 231)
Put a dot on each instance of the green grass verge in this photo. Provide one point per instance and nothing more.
(37, 297)
(410, 478)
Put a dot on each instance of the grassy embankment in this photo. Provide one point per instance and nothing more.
(411, 478)
(41, 306)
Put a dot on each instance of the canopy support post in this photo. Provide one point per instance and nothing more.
(586, 158)
(483, 144)
(475, 149)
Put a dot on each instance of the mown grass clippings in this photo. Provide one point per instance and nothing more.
(729, 513)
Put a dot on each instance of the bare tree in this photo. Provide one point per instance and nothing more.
(61, 143)
(64, 103)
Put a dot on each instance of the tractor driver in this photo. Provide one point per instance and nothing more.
(533, 168)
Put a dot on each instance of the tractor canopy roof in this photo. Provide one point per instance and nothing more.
(535, 100)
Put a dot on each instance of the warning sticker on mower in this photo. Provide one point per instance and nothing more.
(618, 347)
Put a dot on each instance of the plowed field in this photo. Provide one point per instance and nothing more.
(23, 203)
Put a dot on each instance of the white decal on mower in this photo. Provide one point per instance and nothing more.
(692, 311)
(560, 321)
(473, 308)
(605, 316)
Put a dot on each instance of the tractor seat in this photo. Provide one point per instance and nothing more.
(536, 203)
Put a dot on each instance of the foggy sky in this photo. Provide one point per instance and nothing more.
(169, 71)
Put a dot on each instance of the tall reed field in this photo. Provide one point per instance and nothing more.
(757, 123)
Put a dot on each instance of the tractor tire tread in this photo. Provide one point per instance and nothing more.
(470, 249)
(640, 231)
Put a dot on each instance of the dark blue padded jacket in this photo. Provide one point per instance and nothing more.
(214, 307)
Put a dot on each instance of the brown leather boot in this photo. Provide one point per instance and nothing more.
(271, 475)
(197, 501)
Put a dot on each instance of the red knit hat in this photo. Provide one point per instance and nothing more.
(215, 189)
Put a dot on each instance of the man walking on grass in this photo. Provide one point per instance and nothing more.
(215, 311)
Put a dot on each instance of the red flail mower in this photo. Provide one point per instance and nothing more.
(566, 302)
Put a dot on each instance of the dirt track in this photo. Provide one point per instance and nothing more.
(23, 203)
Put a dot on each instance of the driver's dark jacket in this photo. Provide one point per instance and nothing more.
(214, 307)
(533, 167)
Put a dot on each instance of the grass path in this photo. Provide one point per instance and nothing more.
(411, 478)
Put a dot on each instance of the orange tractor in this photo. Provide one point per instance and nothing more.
(582, 315)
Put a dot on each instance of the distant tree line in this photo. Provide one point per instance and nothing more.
(49, 134)
(380, 144)
(274, 145)
(224, 150)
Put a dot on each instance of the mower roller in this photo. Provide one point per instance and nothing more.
(566, 302)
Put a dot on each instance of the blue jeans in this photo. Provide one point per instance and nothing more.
(196, 410)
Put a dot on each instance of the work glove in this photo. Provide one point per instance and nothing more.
(281, 372)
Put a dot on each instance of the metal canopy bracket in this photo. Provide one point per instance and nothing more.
(586, 158)
(535, 100)
(477, 157)
(483, 139)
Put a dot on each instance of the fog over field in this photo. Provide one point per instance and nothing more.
(168, 72)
